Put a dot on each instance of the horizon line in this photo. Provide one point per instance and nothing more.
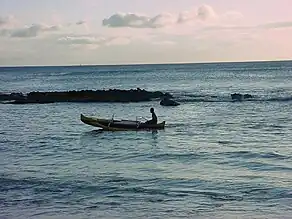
(135, 64)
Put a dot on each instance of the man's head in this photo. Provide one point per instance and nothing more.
(151, 110)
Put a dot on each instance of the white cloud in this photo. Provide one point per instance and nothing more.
(162, 20)
(3, 21)
(127, 20)
(32, 31)
(81, 40)
(186, 16)
(6, 21)
(276, 25)
(203, 13)
(28, 31)
(206, 12)
(93, 42)
(80, 22)
(118, 41)
(233, 15)
(4, 32)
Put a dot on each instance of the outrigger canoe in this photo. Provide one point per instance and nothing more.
(120, 125)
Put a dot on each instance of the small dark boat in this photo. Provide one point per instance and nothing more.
(120, 125)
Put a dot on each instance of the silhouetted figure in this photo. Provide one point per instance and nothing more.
(154, 118)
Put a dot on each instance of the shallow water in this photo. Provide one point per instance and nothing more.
(215, 159)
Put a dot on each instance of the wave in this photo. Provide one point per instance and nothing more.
(195, 98)
(178, 156)
(91, 70)
(253, 155)
(112, 191)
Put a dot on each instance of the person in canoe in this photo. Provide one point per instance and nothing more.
(154, 118)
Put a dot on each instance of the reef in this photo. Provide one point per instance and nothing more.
(111, 95)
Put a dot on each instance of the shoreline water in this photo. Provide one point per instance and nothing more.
(214, 159)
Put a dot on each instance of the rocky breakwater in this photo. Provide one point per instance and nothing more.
(112, 95)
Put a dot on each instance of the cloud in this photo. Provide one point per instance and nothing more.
(5, 20)
(118, 41)
(162, 20)
(260, 27)
(80, 22)
(4, 32)
(93, 41)
(133, 20)
(276, 25)
(81, 40)
(32, 31)
(126, 20)
(205, 12)
(232, 15)
(28, 31)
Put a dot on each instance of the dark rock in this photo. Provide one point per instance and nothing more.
(168, 95)
(236, 96)
(4, 97)
(247, 96)
(12, 96)
(168, 102)
(240, 97)
(112, 95)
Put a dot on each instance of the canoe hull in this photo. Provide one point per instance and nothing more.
(120, 125)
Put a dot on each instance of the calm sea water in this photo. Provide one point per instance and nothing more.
(215, 158)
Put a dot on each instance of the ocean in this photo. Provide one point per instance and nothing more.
(216, 158)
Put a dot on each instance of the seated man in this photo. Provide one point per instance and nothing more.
(154, 118)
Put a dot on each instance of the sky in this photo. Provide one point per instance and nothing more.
(73, 32)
